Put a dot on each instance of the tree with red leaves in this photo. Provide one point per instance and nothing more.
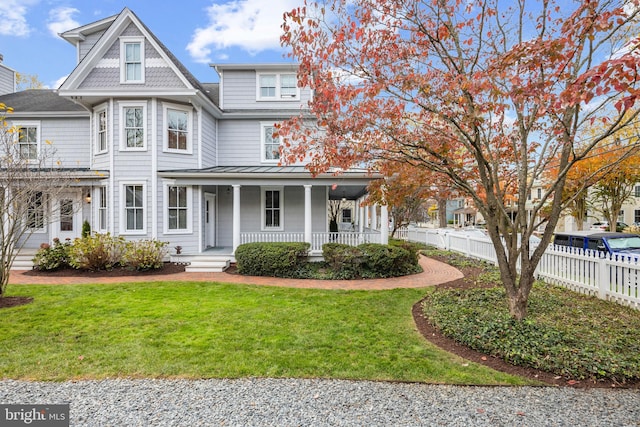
(485, 93)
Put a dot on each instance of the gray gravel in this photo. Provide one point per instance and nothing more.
(291, 402)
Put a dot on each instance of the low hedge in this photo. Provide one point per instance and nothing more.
(370, 260)
(277, 259)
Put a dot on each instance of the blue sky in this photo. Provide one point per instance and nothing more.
(198, 32)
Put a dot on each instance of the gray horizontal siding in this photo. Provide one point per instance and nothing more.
(209, 142)
(69, 139)
(239, 143)
(239, 92)
(7, 80)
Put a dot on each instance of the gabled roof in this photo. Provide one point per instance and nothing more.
(114, 27)
(78, 34)
(41, 102)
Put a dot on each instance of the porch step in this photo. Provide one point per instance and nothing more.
(24, 260)
(208, 264)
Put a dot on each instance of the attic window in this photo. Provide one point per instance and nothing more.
(131, 60)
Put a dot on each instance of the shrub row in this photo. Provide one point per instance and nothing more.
(371, 260)
(101, 252)
(289, 259)
(278, 259)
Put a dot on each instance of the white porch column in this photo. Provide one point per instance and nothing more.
(236, 216)
(361, 219)
(384, 225)
(365, 217)
(307, 214)
(374, 217)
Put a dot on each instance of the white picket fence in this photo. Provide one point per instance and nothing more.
(612, 278)
(317, 239)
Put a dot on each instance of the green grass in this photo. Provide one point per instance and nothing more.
(214, 330)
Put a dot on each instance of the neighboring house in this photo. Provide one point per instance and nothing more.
(160, 155)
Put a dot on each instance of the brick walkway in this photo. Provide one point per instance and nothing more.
(434, 273)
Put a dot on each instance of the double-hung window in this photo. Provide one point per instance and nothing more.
(101, 131)
(28, 138)
(270, 143)
(102, 208)
(178, 209)
(177, 121)
(272, 209)
(131, 60)
(133, 123)
(134, 208)
(277, 87)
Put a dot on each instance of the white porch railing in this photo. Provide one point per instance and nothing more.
(317, 239)
(608, 277)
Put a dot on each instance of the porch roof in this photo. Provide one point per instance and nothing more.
(349, 183)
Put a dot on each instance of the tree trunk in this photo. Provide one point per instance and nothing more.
(442, 213)
(518, 296)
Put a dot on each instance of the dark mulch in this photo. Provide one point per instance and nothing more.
(168, 268)
(8, 302)
(433, 335)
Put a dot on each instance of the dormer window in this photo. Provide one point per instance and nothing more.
(131, 60)
(277, 87)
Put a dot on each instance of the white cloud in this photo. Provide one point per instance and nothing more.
(13, 21)
(61, 20)
(252, 25)
(59, 82)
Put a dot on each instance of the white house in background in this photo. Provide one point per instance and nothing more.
(160, 155)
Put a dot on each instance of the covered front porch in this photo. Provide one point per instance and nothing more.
(282, 204)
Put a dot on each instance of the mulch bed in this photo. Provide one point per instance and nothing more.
(433, 335)
(168, 268)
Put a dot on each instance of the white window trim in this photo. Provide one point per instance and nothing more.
(123, 72)
(263, 142)
(123, 137)
(165, 112)
(30, 123)
(189, 229)
(96, 112)
(263, 190)
(277, 96)
(123, 210)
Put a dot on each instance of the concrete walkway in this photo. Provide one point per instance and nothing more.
(434, 273)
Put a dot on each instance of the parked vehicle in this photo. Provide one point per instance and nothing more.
(604, 226)
(607, 242)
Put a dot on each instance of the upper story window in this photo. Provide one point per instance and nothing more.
(275, 86)
(133, 119)
(177, 137)
(101, 131)
(131, 60)
(637, 191)
(270, 144)
(28, 138)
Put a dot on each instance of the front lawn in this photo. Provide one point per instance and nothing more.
(216, 330)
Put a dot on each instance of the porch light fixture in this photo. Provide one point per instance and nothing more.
(87, 198)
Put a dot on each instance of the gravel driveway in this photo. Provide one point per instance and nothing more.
(292, 402)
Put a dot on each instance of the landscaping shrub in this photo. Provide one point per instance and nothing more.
(278, 259)
(344, 261)
(387, 261)
(97, 252)
(565, 333)
(413, 247)
(49, 258)
(142, 255)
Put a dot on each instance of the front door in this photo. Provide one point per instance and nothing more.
(67, 216)
(209, 220)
